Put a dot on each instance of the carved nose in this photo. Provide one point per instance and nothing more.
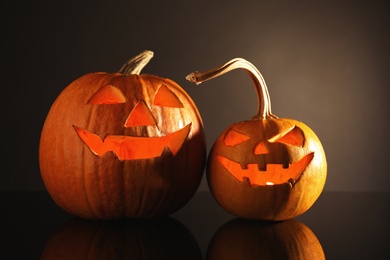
(260, 148)
(140, 116)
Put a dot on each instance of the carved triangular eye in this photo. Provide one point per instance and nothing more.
(140, 116)
(293, 137)
(260, 148)
(232, 138)
(166, 98)
(108, 94)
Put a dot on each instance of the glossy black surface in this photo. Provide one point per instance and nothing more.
(348, 225)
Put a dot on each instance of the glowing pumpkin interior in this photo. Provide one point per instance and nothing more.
(260, 171)
(134, 147)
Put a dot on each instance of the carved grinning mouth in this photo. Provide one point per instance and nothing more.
(134, 147)
(269, 174)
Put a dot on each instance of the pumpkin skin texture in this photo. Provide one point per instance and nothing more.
(289, 195)
(122, 145)
(158, 238)
(245, 239)
(265, 168)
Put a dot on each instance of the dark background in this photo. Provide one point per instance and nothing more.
(326, 63)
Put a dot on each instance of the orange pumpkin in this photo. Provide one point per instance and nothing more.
(266, 168)
(244, 239)
(158, 238)
(122, 144)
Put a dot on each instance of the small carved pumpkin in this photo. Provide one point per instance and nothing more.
(267, 167)
(244, 239)
(122, 145)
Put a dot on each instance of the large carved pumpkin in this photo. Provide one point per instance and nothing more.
(245, 239)
(266, 168)
(158, 238)
(122, 145)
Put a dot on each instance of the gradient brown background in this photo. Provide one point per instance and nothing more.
(326, 63)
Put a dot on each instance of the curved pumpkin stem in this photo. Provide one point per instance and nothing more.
(137, 63)
(264, 101)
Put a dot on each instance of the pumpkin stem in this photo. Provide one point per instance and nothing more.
(264, 101)
(137, 63)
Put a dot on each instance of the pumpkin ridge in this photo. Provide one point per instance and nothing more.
(86, 193)
(84, 155)
(283, 155)
(143, 195)
(122, 193)
(114, 188)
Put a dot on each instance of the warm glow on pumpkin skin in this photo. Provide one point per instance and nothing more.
(269, 164)
(265, 168)
(106, 187)
(244, 197)
(271, 175)
(134, 147)
(131, 147)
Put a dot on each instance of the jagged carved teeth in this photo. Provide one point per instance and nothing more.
(291, 181)
(261, 173)
(244, 166)
(261, 166)
(166, 151)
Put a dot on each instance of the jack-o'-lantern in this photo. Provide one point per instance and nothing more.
(266, 168)
(122, 144)
(246, 239)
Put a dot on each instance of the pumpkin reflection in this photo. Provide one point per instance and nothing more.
(245, 239)
(162, 238)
